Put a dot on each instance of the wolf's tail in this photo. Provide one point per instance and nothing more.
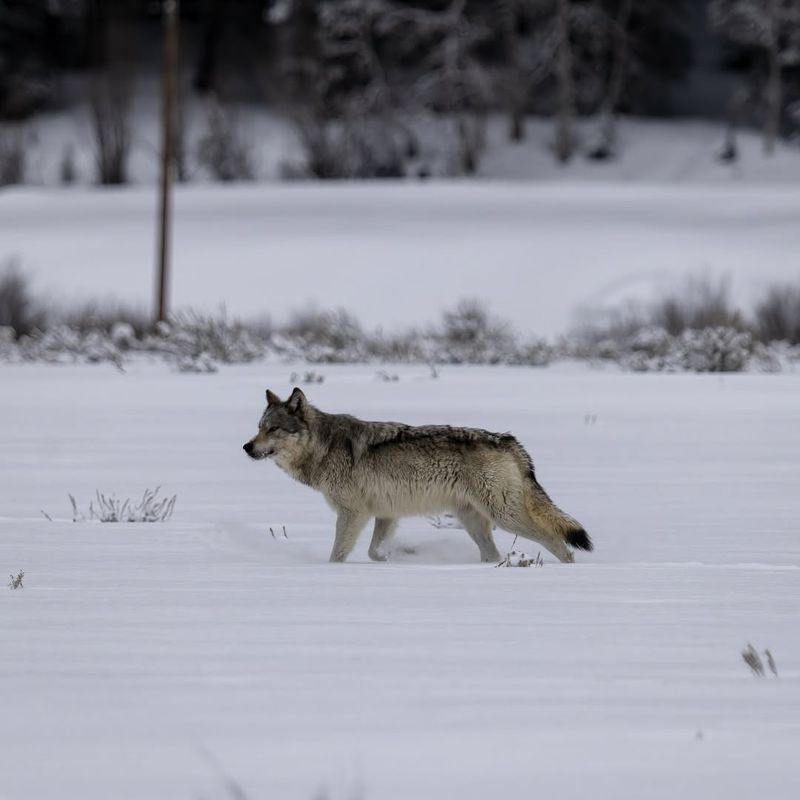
(549, 518)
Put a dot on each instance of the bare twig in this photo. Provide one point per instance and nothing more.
(753, 660)
(515, 559)
(771, 663)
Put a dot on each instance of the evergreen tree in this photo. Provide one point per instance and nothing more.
(770, 30)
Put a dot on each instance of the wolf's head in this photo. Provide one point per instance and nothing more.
(283, 431)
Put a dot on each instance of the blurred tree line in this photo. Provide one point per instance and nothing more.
(340, 62)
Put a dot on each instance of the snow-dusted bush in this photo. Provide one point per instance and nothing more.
(650, 349)
(653, 349)
(64, 345)
(408, 347)
(467, 334)
(190, 335)
(108, 508)
(534, 353)
(707, 350)
(15, 581)
(322, 337)
(696, 329)
(520, 559)
(104, 317)
(193, 342)
(201, 364)
(715, 349)
(123, 335)
(775, 357)
(470, 335)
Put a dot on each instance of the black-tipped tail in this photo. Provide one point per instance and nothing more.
(579, 539)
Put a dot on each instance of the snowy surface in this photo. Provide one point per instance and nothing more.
(396, 254)
(651, 150)
(186, 659)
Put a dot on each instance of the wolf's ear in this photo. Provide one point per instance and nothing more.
(297, 402)
(272, 398)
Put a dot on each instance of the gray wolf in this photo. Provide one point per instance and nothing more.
(388, 470)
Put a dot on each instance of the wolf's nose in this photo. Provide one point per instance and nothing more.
(248, 447)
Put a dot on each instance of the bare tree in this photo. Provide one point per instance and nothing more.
(354, 126)
(616, 82)
(561, 33)
(304, 60)
(515, 78)
(212, 24)
(223, 149)
(110, 92)
(109, 110)
(774, 91)
(565, 111)
(452, 79)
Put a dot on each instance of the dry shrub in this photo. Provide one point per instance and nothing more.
(13, 154)
(110, 117)
(777, 315)
(701, 303)
(223, 150)
(19, 309)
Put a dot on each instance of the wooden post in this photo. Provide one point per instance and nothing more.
(774, 92)
(169, 72)
(565, 138)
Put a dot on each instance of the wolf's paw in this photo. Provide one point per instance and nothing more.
(378, 555)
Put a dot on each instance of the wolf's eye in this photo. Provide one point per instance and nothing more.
(272, 429)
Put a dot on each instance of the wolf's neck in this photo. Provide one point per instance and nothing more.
(308, 468)
(334, 449)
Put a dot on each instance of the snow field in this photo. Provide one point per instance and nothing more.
(541, 255)
(167, 660)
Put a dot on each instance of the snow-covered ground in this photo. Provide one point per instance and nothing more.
(396, 254)
(680, 151)
(203, 658)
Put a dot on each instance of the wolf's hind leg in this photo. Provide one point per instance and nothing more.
(479, 529)
(348, 525)
(384, 528)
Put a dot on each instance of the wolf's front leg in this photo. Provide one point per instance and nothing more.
(348, 525)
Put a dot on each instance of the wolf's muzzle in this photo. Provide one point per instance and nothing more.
(248, 448)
